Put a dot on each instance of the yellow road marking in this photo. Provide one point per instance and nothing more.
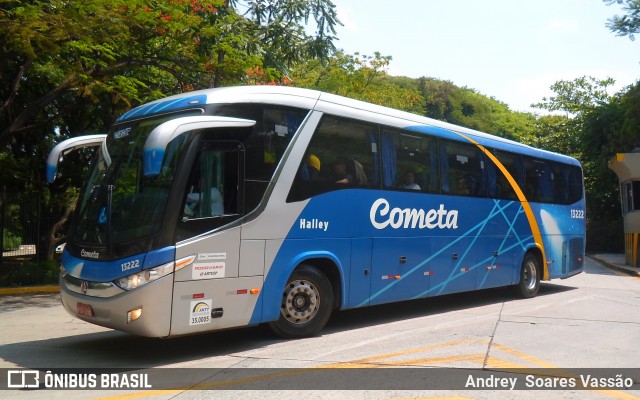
(479, 358)
(374, 362)
(419, 350)
(609, 393)
(431, 398)
(524, 356)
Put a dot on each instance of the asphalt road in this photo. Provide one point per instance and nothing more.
(573, 327)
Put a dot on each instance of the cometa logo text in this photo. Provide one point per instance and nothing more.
(382, 215)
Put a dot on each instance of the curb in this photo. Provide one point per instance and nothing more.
(622, 268)
(29, 290)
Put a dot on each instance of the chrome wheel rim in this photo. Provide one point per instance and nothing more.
(300, 302)
(530, 275)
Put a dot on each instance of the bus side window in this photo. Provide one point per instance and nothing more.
(415, 167)
(212, 189)
(539, 181)
(575, 183)
(342, 154)
(568, 183)
(497, 183)
(462, 169)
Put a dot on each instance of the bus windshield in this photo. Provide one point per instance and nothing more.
(119, 203)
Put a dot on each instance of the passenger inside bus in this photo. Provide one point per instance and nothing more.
(349, 173)
(310, 170)
(410, 182)
(466, 185)
(340, 173)
(192, 205)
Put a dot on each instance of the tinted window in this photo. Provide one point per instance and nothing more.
(342, 154)
(571, 176)
(461, 169)
(274, 128)
(265, 145)
(548, 182)
(409, 161)
(539, 182)
(498, 186)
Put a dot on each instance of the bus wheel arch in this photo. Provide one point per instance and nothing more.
(531, 272)
(307, 303)
(329, 268)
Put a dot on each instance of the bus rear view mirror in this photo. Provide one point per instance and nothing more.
(65, 147)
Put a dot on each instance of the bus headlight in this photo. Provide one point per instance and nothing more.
(143, 277)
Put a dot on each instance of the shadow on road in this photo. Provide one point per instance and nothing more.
(121, 350)
(386, 313)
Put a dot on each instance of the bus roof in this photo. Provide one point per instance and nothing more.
(337, 105)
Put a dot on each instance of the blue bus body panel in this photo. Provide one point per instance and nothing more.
(375, 239)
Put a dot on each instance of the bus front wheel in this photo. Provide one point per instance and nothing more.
(307, 302)
(530, 272)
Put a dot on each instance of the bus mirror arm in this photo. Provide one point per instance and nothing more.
(65, 147)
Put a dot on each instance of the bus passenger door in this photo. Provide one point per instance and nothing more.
(360, 273)
(210, 291)
(453, 269)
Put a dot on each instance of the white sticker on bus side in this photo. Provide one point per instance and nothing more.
(200, 312)
(208, 270)
(211, 256)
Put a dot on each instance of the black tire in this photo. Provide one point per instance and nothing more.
(530, 273)
(307, 303)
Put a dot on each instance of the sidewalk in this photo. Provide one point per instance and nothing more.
(615, 261)
(29, 290)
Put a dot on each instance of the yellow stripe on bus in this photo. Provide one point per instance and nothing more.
(535, 229)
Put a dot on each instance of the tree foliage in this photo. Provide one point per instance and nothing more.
(61, 56)
(628, 24)
(578, 95)
(463, 106)
(361, 77)
(595, 126)
(279, 28)
(70, 67)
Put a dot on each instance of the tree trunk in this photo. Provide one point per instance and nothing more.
(53, 240)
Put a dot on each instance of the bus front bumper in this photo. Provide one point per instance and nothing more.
(144, 311)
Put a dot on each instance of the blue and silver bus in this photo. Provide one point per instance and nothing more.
(239, 206)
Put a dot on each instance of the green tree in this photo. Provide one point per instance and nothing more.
(625, 25)
(61, 56)
(360, 77)
(552, 132)
(576, 99)
(577, 96)
(591, 130)
(280, 30)
(463, 106)
(70, 67)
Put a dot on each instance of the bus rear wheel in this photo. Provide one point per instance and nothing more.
(530, 272)
(307, 302)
